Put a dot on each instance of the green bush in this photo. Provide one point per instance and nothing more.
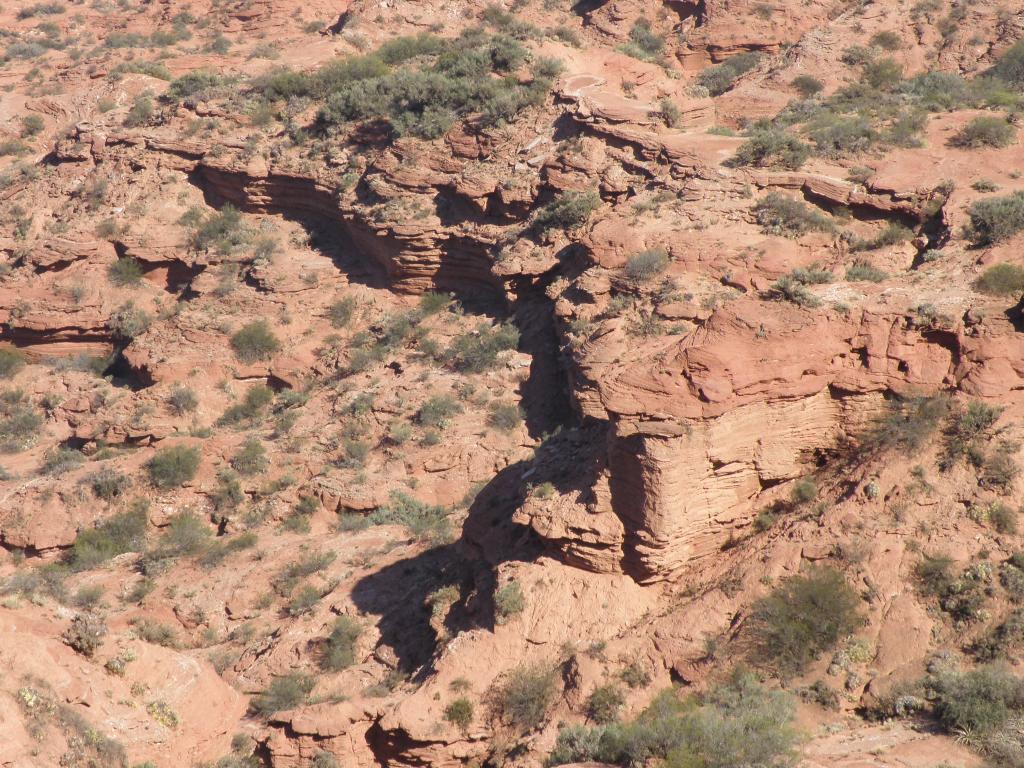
(737, 723)
(887, 40)
(251, 458)
(185, 534)
(19, 425)
(173, 466)
(1002, 518)
(182, 400)
(802, 618)
(995, 219)
(781, 215)
(285, 692)
(11, 361)
(32, 125)
(40, 9)
(223, 231)
(643, 266)
(86, 633)
(837, 137)
(604, 703)
(568, 211)
(108, 484)
(125, 271)
(985, 131)
(128, 321)
(252, 406)
(977, 702)
(437, 411)
(906, 426)
(720, 78)
(303, 601)
(123, 532)
(339, 650)
(524, 697)
(478, 352)
(425, 100)
(884, 74)
(61, 460)
(643, 43)
(772, 148)
(807, 86)
(508, 602)
(1010, 66)
(193, 84)
(862, 271)
(156, 633)
(140, 113)
(255, 342)
(893, 234)
(1001, 280)
(424, 521)
(340, 312)
(504, 416)
(460, 713)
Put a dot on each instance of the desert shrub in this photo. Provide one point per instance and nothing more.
(255, 342)
(789, 288)
(995, 219)
(173, 466)
(314, 562)
(891, 235)
(669, 112)
(86, 633)
(1010, 66)
(1002, 279)
(303, 601)
(862, 271)
(339, 651)
(11, 361)
(478, 352)
(803, 617)
(185, 534)
(1002, 518)
(215, 554)
(125, 271)
(887, 40)
(508, 602)
(934, 575)
(772, 148)
(340, 312)
(108, 484)
(182, 400)
(645, 265)
(251, 458)
(568, 211)
(252, 406)
(32, 125)
(228, 494)
(936, 91)
(424, 521)
(123, 532)
(223, 231)
(285, 692)
(40, 9)
(193, 84)
(804, 490)
(635, 675)
(61, 460)
(523, 698)
(504, 416)
(737, 723)
(720, 78)
(604, 703)
(438, 410)
(141, 112)
(1006, 635)
(19, 422)
(128, 321)
(425, 100)
(156, 633)
(781, 215)
(985, 131)
(883, 74)
(643, 43)
(979, 701)
(807, 86)
(459, 713)
(964, 429)
(906, 425)
(841, 136)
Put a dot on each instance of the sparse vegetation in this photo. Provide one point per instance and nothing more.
(781, 215)
(985, 131)
(120, 533)
(86, 633)
(803, 617)
(459, 713)
(772, 148)
(523, 698)
(721, 77)
(569, 211)
(285, 692)
(255, 342)
(1001, 279)
(424, 521)
(174, 466)
(509, 601)
(995, 219)
(340, 646)
(643, 266)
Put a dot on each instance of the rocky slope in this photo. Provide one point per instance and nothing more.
(335, 398)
